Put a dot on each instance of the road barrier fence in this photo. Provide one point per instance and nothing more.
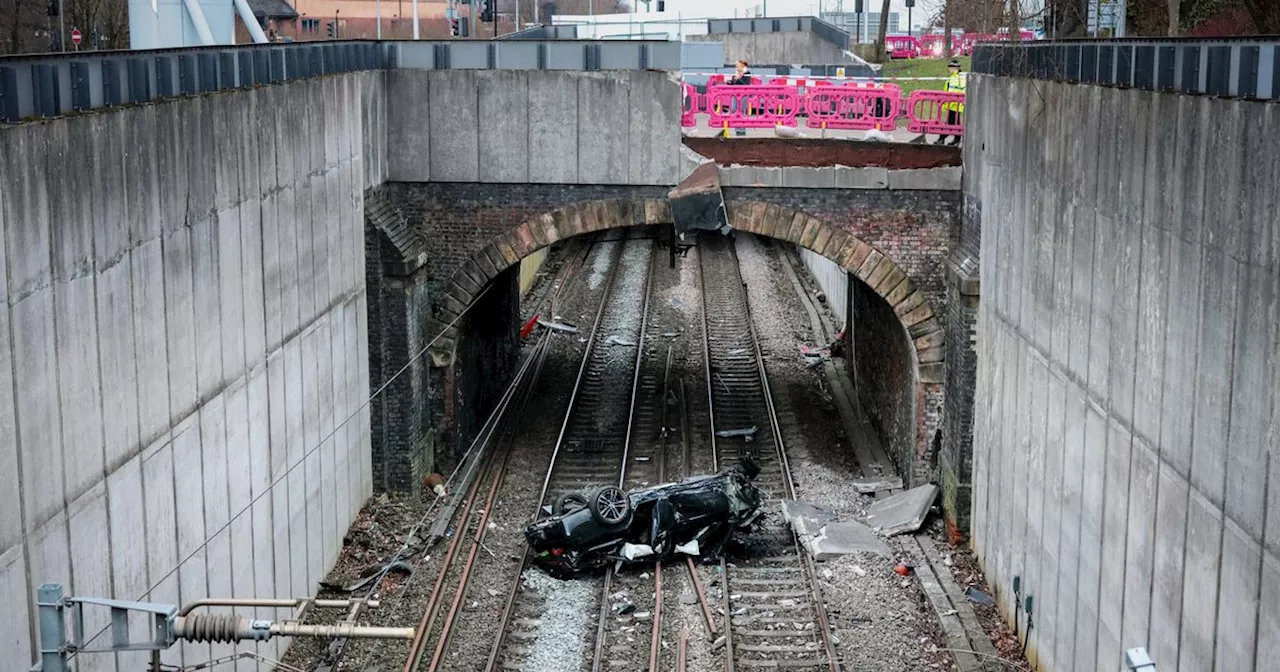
(823, 104)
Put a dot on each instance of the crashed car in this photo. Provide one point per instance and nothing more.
(605, 526)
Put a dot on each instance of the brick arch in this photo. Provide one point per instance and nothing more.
(879, 271)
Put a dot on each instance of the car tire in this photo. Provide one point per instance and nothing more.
(609, 505)
(569, 502)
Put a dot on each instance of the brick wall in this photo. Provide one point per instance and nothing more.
(882, 366)
(487, 357)
(917, 229)
(459, 219)
(399, 311)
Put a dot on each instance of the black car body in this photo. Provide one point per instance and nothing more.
(608, 526)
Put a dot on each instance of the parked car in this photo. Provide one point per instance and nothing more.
(694, 517)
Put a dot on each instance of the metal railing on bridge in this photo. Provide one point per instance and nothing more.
(47, 85)
(1243, 67)
(825, 104)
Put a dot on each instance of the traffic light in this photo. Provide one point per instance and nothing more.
(332, 28)
(454, 30)
(486, 13)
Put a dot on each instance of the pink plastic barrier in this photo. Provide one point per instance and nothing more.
(902, 46)
(692, 106)
(932, 45)
(927, 112)
(755, 106)
(854, 107)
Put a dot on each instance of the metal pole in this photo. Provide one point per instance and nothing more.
(62, 26)
(415, 19)
(379, 19)
(53, 635)
(518, 15)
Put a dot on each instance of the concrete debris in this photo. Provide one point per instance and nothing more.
(633, 551)
(559, 326)
(746, 432)
(805, 519)
(690, 548)
(787, 132)
(859, 571)
(718, 644)
(837, 539)
(875, 135)
(618, 340)
(872, 485)
(688, 598)
(903, 512)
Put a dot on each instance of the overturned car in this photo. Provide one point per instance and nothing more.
(695, 517)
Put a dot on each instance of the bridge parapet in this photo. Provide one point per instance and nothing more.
(51, 85)
(1233, 67)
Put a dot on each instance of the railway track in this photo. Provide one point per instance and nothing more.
(593, 449)
(434, 632)
(775, 618)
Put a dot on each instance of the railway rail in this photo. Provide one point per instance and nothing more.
(774, 612)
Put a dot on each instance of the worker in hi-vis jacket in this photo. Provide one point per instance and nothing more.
(955, 110)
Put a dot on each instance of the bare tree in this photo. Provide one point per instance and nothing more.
(1265, 14)
(23, 26)
(1174, 5)
(884, 28)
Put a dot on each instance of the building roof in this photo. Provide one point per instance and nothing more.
(273, 9)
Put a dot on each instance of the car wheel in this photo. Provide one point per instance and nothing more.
(609, 505)
(569, 502)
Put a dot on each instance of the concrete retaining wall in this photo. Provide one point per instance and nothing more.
(540, 127)
(833, 280)
(799, 46)
(183, 326)
(1126, 463)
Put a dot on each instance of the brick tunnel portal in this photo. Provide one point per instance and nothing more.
(892, 339)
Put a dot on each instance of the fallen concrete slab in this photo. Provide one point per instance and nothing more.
(806, 519)
(903, 512)
(837, 539)
(872, 485)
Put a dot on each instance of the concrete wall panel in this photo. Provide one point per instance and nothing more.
(409, 157)
(126, 511)
(1171, 287)
(553, 127)
(117, 355)
(654, 142)
(1238, 600)
(454, 126)
(504, 109)
(1170, 537)
(230, 283)
(1200, 597)
(161, 524)
(151, 357)
(1269, 610)
(15, 622)
(179, 321)
(601, 99)
(38, 412)
(90, 575)
(26, 209)
(79, 391)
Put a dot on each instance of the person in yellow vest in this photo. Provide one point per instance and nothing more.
(955, 111)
